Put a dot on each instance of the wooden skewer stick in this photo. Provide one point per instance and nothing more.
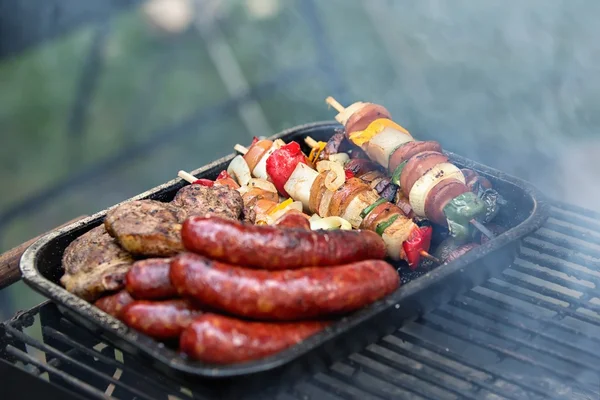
(428, 256)
(312, 143)
(186, 176)
(240, 149)
(335, 104)
(479, 226)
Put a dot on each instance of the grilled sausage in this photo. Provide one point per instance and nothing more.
(115, 303)
(410, 149)
(439, 196)
(160, 319)
(361, 119)
(417, 166)
(275, 248)
(282, 295)
(293, 219)
(218, 339)
(149, 279)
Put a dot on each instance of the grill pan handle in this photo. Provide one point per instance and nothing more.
(9, 261)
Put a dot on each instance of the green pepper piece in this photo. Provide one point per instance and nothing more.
(460, 211)
(370, 208)
(382, 226)
(398, 172)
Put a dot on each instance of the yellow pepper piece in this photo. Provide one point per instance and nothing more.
(361, 137)
(280, 206)
(316, 151)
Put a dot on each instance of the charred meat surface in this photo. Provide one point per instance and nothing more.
(219, 200)
(147, 227)
(94, 264)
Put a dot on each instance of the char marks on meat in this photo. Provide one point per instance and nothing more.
(147, 227)
(219, 200)
(94, 264)
(153, 229)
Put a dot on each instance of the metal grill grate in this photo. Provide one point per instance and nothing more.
(532, 333)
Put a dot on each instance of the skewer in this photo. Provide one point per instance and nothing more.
(240, 149)
(186, 176)
(335, 104)
(312, 143)
(428, 256)
(340, 108)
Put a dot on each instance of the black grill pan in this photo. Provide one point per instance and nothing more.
(526, 212)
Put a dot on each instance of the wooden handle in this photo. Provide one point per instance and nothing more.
(9, 261)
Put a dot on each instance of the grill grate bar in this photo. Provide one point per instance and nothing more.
(527, 343)
(477, 383)
(496, 373)
(51, 332)
(502, 352)
(539, 330)
(568, 243)
(590, 221)
(417, 376)
(64, 357)
(79, 384)
(341, 387)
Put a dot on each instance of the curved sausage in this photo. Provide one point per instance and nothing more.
(282, 295)
(149, 279)
(160, 319)
(361, 119)
(218, 339)
(417, 166)
(293, 219)
(115, 303)
(439, 196)
(275, 248)
(409, 149)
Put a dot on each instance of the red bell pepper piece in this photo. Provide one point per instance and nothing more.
(254, 140)
(282, 163)
(420, 240)
(349, 174)
(223, 175)
(203, 182)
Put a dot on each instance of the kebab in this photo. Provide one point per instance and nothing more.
(327, 191)
(435, 187)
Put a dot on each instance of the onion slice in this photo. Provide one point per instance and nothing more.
(239, 170)
(300, 182)
(328, 223)
(420, 190)
(335, 177)
(340, 158)
(259, 184)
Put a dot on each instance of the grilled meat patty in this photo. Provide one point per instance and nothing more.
(94, 264)
(219, 200)
(147, 227)
(152, 228)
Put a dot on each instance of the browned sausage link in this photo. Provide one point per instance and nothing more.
(361, 166)
(160, 319)
(439, 196)
(271, 247)
(417, 166)
(149, 279)
(218, 339)
(406, 151)
(114, 303)
(293, 219)
(282, 295)
(361, 119)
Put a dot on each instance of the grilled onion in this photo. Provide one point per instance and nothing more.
(328, 223)
(335, 176)
(239, 170)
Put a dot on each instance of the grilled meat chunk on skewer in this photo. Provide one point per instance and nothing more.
(94, 264)
(153, 229)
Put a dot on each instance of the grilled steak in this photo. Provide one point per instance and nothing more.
(151, 228)
(94, 264)
(218, 200)
(147, 227)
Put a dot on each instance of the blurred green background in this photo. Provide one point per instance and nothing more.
(118, 104)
